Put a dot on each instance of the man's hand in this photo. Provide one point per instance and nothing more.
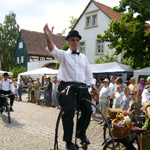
(48, 35)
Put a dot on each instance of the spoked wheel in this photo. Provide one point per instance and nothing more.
(8, 111)
(58, 124)
(106, 133)
(117, 143)
(94, 131)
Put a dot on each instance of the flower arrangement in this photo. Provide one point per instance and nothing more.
(123, 120)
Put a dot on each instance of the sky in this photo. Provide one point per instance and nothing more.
(34, 14)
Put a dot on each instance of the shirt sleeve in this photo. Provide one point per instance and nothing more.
(145, 96)
(88, 74)
(57, 53)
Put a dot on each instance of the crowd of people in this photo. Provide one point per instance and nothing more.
(35, 90)
(121, 95)
(33, 87)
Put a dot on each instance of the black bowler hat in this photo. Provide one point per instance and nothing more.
(5, 74)
(73, 33)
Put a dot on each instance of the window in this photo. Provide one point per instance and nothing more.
(82, 47)
(88, 21)
(18, 60)
(99, 47)
(42, 58)
(22, 59)
(91, 21)
(94, 20)
(20, 45)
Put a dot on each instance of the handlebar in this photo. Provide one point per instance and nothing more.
(80, 86)
(3, 95)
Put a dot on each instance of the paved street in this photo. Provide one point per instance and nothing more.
(33, 128)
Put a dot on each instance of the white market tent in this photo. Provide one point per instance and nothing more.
(144, 71)
(9, 73)
(111, 68)
(40, 71)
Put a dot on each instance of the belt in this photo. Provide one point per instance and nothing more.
(76, 83)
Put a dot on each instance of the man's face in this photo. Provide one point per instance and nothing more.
(5, 77)
(73, 43)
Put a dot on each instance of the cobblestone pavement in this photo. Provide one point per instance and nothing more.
(33, 128)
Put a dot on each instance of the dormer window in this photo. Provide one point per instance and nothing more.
(88, 21)
(20, 45)
(91, 21)
(94, 20)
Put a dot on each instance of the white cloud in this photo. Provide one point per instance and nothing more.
(34, 14)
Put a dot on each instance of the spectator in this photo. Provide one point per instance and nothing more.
(94, 91)
(29, 85)
(58, 82)
(45, 87)
(54, 94)
(49, 92)
(33, 92)
(15, 88)
(134, 87)
(16, 92)
(104, 97)
(20, 89)
(37, 86)
(127, 82)
(119, 81)
(146, 93)
(118, 97)
(112, 89)
(101, 84)
(133, 105)
(141, 88)
(126, 99)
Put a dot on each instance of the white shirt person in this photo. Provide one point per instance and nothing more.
(74, 69)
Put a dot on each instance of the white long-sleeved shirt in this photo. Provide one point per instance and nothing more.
(73, 67)
(7, 85)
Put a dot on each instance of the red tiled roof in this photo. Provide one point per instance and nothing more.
(35, 42)
(108, 11)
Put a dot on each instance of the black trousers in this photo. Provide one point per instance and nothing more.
(67, 104)
(2, 99)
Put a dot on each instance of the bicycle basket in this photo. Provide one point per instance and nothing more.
(121, 132)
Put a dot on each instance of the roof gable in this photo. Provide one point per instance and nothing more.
(108, 11)
(35, 42)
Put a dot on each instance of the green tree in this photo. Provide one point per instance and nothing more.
(105, 59)
(72, 21)
(9, 32)
(17, 70)
(131, 34)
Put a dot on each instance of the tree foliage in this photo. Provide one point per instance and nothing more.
(105, 59)
(72, 21)
(9, 31)
(17, 70)
(131, 34)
